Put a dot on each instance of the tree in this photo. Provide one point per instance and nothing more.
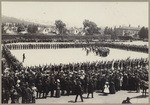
(3, 31)
(114, 34)
(143, 33)
(90, 27)
(20, 28)
(111, 31)
(106, 30)
(32, 28)
(61, 27)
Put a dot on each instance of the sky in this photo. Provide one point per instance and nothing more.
(74, 13)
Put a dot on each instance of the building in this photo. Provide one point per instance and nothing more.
(44, 30)
(23, 31)
(76, 31)
(10, 28)
(73, 31)
(10, 31)
(128, 31)
(48, 30)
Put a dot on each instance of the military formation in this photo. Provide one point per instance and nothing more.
(26, 84)
(99, 51)
(127, 47)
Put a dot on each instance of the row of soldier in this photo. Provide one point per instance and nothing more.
(61, 79)
(137, 48)
(114, 64)
(7, 41)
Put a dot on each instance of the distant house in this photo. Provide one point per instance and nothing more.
(10, 31)
(47, 30)
(76, 31)
(44, 30)
(54, 30)
(10, 28)
(128, 31)
(23, 31)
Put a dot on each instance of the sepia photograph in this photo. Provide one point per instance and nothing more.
(74, 52)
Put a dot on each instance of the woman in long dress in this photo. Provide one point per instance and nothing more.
(106, 90)
(112, 88)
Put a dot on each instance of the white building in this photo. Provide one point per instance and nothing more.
(48, 30)
(76, 31)
(128, 31)
(10, 31)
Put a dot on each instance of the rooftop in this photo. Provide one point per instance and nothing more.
(130, 28)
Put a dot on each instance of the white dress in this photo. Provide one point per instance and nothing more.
(106, 90)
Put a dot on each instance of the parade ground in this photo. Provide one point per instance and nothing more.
(36, 57)
(99, 98)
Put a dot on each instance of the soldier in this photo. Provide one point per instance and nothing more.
(39, 88)
(117, 83)
(68, 86)
(52, 86)
(63, 86)
(14, 95)
(90, 88)
(34, 89)
(137, 83)
(29, 94)
(5, 96)
(45, 86)
(23, 57)
(87, 52)
(125, 82)
(78, 90)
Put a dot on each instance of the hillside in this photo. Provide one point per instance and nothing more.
(15, 20)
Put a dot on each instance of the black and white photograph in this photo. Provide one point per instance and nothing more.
(74, 52)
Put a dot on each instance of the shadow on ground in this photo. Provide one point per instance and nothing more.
(71, 101)
(103, 94)
(140, 96)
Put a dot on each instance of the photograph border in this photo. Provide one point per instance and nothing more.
(79, 1)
